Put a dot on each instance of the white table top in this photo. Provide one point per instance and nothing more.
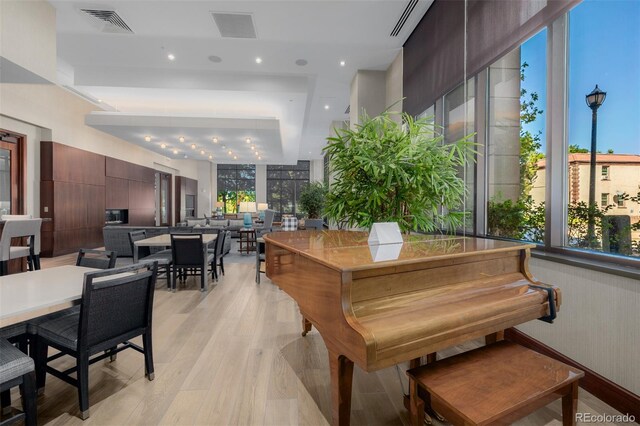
(164, 240)
(28, 295)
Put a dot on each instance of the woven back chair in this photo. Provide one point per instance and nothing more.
(189, 254)
(137, 236)
(116, 306)
(98, 259)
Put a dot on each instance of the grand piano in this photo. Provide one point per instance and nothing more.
(433, 292)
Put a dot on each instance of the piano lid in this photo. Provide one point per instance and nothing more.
(350, 251)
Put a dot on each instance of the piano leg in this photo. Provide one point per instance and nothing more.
(493, 337)
(341, 378)
(427, 410)
(306, 326)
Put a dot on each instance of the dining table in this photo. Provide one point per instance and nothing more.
(28, 295)
(164, 240)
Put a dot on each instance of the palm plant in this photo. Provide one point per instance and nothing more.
(389, 170)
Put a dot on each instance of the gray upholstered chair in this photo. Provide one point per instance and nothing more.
(99, 259)
(17, 369)
(17, 228)
(163, 257)
(311, 224)
(268, 223)
(112, 312)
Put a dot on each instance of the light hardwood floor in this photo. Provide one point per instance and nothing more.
(235, 356)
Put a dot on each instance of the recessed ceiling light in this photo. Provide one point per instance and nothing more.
(230, 152)
(175, 151)
(147, 138)
(202, 152)
(343, 63)
(224, 147)
(186, 156)
(215, 140)
(257, 153)
(253, 147)
(248, 140)
(258, 60)
(211, 157)
(181, 139)
(193, 146)
(301, 62)
(259, 158)
(171, 57)
(215, 59)
(326, 107)
(163, 145)
(99, 101)
(309, 152)
(235, 158)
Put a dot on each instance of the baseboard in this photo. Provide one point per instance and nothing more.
(602, 388)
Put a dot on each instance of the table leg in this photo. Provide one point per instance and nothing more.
(570, 405)
(341, 379)
(306, 326)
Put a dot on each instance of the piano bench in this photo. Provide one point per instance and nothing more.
(495, 384)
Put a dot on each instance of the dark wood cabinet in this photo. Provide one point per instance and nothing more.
(77, 187)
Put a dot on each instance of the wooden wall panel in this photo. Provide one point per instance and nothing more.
(116, 193)
(142, 195)
(125, 170)
(70, 164)
(142, 217)
(184, 186)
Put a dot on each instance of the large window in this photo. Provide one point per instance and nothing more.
(606, 55)
(458, 122)
(236, 183)
(516, 142)
(284, 184)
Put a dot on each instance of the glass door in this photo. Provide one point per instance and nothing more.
(9, 178)
(163, 199)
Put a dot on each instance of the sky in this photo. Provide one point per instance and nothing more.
(604, 49)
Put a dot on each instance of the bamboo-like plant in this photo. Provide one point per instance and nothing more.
(397, 171)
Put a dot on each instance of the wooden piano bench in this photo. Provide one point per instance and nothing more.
(495, 384)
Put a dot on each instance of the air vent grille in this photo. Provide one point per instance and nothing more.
(108, 21)
(234, 25)
(403, 18)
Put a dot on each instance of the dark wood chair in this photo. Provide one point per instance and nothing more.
(218, 254)
(113, 311)
(190, 257)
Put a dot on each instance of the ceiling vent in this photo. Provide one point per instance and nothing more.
(107, 21)
(234, 25)
(403, 18)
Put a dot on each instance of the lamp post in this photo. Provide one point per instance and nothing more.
(594, 100)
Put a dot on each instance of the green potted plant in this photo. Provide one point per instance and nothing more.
(312, 199)
(390, 170)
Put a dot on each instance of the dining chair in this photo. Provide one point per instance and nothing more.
(163, 257)
(260, 257)
(18, 228)
(116, 306)
(189, 254)
(218, 253)
(268, 223)
(17, 369)
(98, 259)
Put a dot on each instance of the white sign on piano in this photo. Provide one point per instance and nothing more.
(385, 241)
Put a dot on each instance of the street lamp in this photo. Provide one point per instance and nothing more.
(594, 100)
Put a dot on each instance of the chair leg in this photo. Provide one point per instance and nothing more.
(5, 402)
(222, 265)
(30, 264)
(4, 268)
(148, 355)
(112, 354)
(36, 261)
(175, 278)
(168, 272)
(83, 385)
(40, 349)
(203, 277)
(29, 398)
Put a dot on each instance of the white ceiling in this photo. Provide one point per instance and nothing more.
(131, 72)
